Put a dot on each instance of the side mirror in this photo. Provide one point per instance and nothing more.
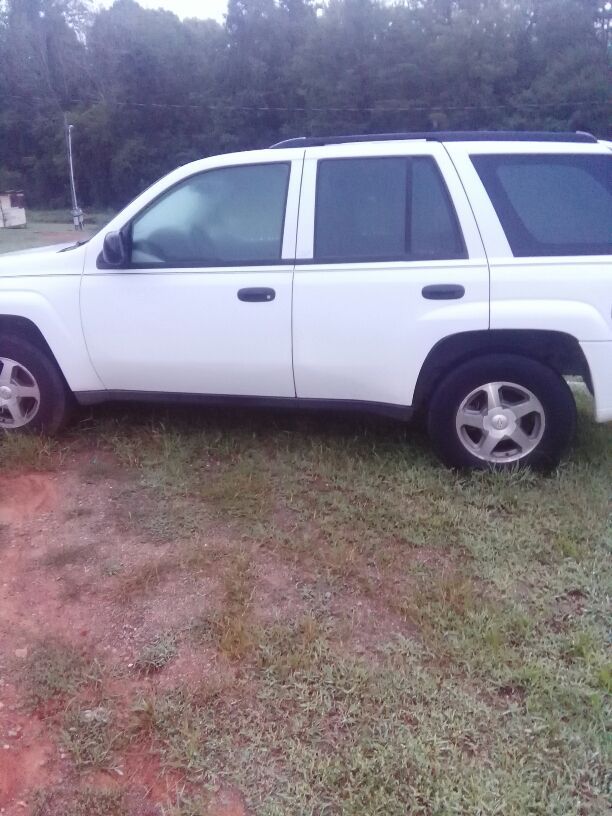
(114, 250)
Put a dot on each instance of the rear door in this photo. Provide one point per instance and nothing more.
(389, 262)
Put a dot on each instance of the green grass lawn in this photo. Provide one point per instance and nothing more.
(49, 227)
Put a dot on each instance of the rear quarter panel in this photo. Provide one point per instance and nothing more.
(570, 294)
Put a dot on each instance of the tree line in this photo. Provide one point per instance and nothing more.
(147, 91)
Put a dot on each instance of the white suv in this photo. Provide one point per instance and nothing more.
(461, 275)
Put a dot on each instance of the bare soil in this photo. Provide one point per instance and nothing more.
(59, 550)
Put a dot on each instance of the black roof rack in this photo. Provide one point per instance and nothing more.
(443, 136)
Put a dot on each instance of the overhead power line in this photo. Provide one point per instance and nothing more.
(319, 109)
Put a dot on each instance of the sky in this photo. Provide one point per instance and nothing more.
(186, 8)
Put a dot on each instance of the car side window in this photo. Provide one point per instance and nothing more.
(227, 216)
(551, 204)
(377, 209)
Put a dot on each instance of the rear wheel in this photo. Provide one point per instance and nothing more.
(502, 411)
(33, 395)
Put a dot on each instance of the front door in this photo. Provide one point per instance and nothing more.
(204, 306)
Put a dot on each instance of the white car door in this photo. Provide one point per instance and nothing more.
(389, 262)
(204, 304)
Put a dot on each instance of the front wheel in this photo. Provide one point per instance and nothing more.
(33, 395)
(502, 411)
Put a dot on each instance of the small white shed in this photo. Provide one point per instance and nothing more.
(12, 209)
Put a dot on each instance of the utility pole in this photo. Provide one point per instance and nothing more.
(76, 212)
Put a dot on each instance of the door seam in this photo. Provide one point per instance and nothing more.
(484, 249)
(297, 229)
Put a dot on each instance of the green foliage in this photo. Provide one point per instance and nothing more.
(148, 92)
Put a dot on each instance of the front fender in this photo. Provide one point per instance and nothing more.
(55, 313)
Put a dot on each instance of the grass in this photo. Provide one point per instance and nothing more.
(81, 802)
(97, 218)
(56, 671)
(156, 654)
(28, 452)
(495, 698)
(67, 556)
(379, 737)
(91, 736)
(232, 628)
(187, 806)
(440, 646)
(46, 227)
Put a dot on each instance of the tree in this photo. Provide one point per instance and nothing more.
(147, 91)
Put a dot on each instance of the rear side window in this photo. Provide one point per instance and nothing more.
(551, 205)
(384, 209)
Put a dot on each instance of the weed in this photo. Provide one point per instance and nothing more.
(232, 628)
(56, 670)
(67, 555)
(111, 568)
(186, 806)
(78, 512)
(603, 677)
(82, 802)
(96, 469)
(156, 654)
(90, 736)
(143, 579)
(28, 452)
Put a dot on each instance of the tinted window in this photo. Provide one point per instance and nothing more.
(432, 223)
(230, 215)
(384, 209)
(551, 205)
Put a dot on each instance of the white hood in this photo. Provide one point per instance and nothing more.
(47, 260)
(50, 248)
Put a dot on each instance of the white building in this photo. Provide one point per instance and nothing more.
(12, 209)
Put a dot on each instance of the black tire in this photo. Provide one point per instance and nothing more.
(546, 385)
(55, 399)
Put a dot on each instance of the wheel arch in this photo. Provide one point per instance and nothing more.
(25, 328)
(53, 325)
(558, 350)
(28, 330)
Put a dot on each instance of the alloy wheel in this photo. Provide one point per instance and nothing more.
(19, 394)
(500, 422)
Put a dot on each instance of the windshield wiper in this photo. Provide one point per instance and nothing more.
(74, 246)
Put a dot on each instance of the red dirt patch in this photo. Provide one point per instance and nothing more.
(61, 580)
(22, 768)
(25, 496)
